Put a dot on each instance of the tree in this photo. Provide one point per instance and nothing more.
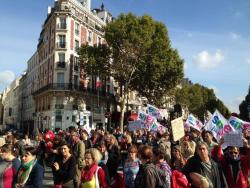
(141, 58)
(199, 99)
(244, 114)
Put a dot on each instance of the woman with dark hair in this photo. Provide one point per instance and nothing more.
(8, 166)
(177, 161)
(147, 175)
(30, 174)
(161, 163)
(64, 167)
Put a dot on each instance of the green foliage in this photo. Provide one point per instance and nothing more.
(143, 57)
(199, 99)
(244, 114)
(95, 60)
(139, 57)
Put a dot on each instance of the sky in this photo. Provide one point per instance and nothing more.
(212, 37)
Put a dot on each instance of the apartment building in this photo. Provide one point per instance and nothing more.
(10, 100)
(63, 94)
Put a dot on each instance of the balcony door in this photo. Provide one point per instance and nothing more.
(60, 80)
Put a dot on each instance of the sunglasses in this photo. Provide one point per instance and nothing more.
(233, 152)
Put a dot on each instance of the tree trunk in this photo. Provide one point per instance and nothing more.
(123, 100)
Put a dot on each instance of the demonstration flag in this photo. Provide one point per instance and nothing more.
(98, 82)
(193, 122)
(238, 124)
(153, 111)
(218, 125)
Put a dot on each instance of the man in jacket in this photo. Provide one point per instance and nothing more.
(201, 168)
(78, 150)
(236, 167)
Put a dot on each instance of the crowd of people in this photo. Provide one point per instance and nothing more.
(82, 159)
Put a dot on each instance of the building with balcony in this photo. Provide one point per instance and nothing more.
(11, 103)
(56, 91)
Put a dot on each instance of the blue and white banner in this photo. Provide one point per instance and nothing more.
(218, 125)
(193, 122)
(153, 111)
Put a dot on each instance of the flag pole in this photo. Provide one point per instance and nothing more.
(98, 97)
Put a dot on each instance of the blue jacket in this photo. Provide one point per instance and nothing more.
(36, 177)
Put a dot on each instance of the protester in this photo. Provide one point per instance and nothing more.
(103, 149)
(235, 166)
(78, 150)
(26, 140)
(146, 176)
(64, 167)
(162, 164)
(131, 167)
(208, 138)
(187, 147)
(84, 136)
(113, 155)
(30, 174)
(177, 161)
(164, 145)
(93, 176)
(201, 169)
(41, 148)
(9, 166)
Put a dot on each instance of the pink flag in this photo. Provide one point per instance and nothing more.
(98, 82)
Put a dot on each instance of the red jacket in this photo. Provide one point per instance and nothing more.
(179, 180)
(243, 173)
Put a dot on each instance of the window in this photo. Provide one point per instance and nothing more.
(77, 28)
(62, 41)
(60, 79)
(76, 45)
(61, 63)
(10, 111)
(62, 23)
(90, 36)
(73, 118)
(61, 57)
(58, 118)
(76, 63)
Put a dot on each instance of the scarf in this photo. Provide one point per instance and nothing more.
(89, 172)
(24, 172)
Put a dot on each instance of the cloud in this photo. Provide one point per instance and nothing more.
(248, 60)
(185, 66)
(234, 104)
(6, 77)
(234, 36)
(204, 60)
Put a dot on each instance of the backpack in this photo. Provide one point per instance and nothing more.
(160, 177)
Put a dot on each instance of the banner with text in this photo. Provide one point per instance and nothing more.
(177, 128)
(218, 125)
(135, 125)
(238, 124)
(153, 111)
(193, 122)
